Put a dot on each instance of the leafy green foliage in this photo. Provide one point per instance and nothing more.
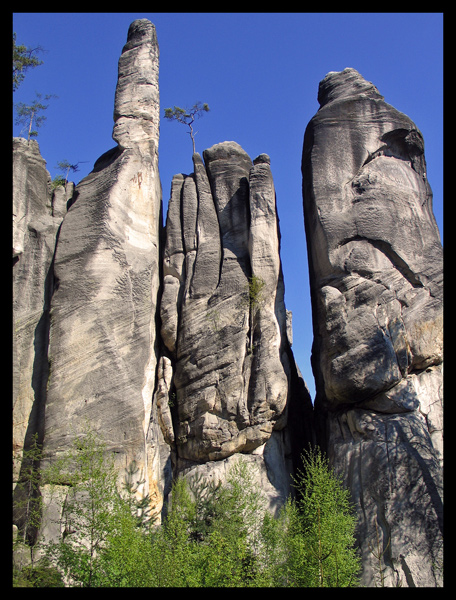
(91, 502)
(59, 180)
(254, 299)
(42, 574)
(214, 534)
(27, 505)
(326, 550)
(256, 287)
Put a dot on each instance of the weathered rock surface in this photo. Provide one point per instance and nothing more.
(221, 385)
(231, 356)
(103, 332)
(37, 214)
(375, 260)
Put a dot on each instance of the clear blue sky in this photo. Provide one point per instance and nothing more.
(259, 73)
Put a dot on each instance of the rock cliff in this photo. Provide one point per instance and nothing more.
(375, 260)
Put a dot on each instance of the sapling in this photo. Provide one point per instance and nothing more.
(187, 116)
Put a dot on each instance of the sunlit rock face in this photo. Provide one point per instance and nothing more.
(375, 261)
(103, 335)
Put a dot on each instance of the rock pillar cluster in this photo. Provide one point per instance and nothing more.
(174, 345)
(223, 315)
(375, 260)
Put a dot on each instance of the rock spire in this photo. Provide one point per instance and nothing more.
(375, 260)
(106, 277)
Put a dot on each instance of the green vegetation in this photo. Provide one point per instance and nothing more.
(256, 292)
(327, 526)
(214, 534)
(187, 116)
(29, 114)
(65, 167)
(24, 58)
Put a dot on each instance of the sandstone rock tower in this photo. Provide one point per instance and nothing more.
(375, 260)
(204, 379)
(173, 344)
(102, 349)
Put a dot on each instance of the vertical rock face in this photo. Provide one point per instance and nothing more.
(103, 331)
(37, 214)
(375, 261)
(231, 356)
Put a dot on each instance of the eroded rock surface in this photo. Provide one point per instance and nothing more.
(375, 261)
(103, 331)
(37, 214)
(231, 355)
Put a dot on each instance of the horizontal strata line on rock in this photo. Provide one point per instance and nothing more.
(145, 117)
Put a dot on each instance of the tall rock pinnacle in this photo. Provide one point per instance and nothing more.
(136, 104)
(375, 260)
(103, 337)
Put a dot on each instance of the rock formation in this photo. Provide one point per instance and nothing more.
(37, 215)
(175, 345)
(224, 321)
(375, 260)
(102, 350)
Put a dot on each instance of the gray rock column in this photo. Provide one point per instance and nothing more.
(375, 260)
(37, 214)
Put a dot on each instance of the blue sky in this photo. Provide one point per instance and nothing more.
(259, 73)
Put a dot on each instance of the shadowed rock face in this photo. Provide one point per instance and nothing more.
(103, 332)
(375, 261)
(231, 356)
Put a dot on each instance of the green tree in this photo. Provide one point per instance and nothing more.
(127, 558)
(26, 499)
(89, 510)
(29, 114)
(187, 116)
(66, 167)
(214, 534)
(324, 552)
(24, 58)
(138, 503)
(279, 534)
(227, 524)
(41, 574)
(27, 511)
